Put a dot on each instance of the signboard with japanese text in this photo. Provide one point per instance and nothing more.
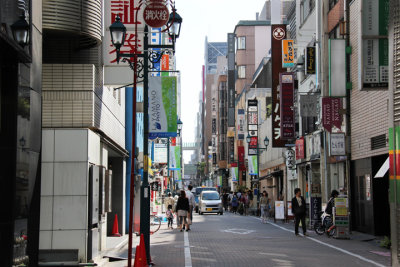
(231, 149)
(242, 165)
(278, 33)
(290, 156)
(309, 105)
(316, 206)
(310, 60)
(252, 147)
(162, 107)
(160, 153)
(300, 148)
(253, 166)
(241, 124)
(375, 44)
(331, 113)
(287, 53)
(287, 106)
(337, 147)
(156, 14)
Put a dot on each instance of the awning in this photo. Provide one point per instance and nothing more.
(383, 170)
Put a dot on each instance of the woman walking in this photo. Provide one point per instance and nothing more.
(182, 209)
(264, 206)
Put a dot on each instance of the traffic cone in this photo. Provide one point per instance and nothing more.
(138, 257)
(115, 231)
(143, 250)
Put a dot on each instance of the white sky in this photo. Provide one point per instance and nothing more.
(201, 18)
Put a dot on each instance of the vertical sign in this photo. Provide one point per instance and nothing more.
(278, 33)
(253, 166)
(162, 108)
(253, 145)
(310, 60)
(231, 144)
(252, 116)
(231, 80)
(287, 106)
(240, 124)
(331, 113)
(234, 172)
(375, 44)
(337, 144)
(287, 53)
(242, 165)
(300, 148)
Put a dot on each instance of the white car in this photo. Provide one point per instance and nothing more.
(210, 202)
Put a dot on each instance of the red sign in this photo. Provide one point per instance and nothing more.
(287, 106)
(242, 166)
(300, 148)
(173, 141)
(253, 142)
(156, 14)
(330, 113)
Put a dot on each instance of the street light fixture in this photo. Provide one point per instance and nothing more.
(266, 142)
(141, 70)
(175, 22)
(20, 30)
(179, 123)
(248, 138)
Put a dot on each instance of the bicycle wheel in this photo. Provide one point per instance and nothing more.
(319, 228)
(155, 223)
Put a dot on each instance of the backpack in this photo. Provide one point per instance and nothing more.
(234, 199)
(169, 214)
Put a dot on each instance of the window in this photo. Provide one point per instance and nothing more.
(306, 7)
(241, 42)
(241, 72)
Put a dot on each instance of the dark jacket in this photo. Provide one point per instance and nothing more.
(329, 206)
(296, 209)
(183, 204)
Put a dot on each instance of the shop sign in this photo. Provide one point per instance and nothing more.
(331, 113)
(253, 145)
(310, 60)
(231, 146)
(278, 33)
(290, 159)
(156, 14)
(316, 206)
(242, 165)
(287, 106)
(287, 53)
(338, 147)
(300, 148)
(241, 124)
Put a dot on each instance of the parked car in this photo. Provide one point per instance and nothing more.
(210, 202)
(197, 191)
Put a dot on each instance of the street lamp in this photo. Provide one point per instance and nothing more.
(175, 22)
(180, 124)
(266, 143)
(141, 70)
(20, 30)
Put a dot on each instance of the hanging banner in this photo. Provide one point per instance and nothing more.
(330, 113)
(162, 107)
(287, 53)
(234, 172)
(278, 33)
(175, 158)
(253, 166)
(287, 106)
(242, 165)
(300, 148)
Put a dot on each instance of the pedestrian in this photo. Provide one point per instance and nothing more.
(192, 204)
(328, 209)
(170, 216)
(182, 208)
(169, 201)
(264, 206)
(299, 211)
(230, 201)
(246, 201)
(235, 203)
(225, 200)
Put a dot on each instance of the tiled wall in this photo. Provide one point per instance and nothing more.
(369, 109)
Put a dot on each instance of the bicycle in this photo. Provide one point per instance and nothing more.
(155, 223)
(325, 225)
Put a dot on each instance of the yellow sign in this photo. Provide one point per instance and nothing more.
(341, 206)
(287, 53)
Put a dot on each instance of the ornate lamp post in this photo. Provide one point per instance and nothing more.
(141, 74)
(20, 31)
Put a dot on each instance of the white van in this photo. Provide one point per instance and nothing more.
(210, 201)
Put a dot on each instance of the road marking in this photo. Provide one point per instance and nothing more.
(329, 245)
(238, 231)
(188, 257)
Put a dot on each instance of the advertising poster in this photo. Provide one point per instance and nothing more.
(175, 158)
(279, 210)
(162, 107)
(160, 153)
(235, 174)
(287, 53)
(253, 166)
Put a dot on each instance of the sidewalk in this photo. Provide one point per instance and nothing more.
(114, 254)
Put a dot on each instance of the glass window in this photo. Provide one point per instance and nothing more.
(241, 72)
(241, 42)
(210, 196)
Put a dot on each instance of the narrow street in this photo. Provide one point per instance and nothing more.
(234, 240)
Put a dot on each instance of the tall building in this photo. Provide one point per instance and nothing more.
(20, 133)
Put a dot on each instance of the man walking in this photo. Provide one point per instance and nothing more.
(299, 211)
(192, 203)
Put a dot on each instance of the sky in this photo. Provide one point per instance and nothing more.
(214, 19)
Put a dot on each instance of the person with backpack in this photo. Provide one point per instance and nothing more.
(235, 203)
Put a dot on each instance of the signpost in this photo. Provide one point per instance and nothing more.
(156, 14)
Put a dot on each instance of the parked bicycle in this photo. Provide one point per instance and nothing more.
(155, 223)
(325, 225)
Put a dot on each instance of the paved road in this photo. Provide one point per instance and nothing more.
(234, 240)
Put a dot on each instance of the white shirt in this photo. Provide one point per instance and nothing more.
(190, 196)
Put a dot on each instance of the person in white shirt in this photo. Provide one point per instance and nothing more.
(192, 203)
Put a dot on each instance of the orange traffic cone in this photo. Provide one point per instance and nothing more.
(115, 231)
(143, 250)
(140, 260)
